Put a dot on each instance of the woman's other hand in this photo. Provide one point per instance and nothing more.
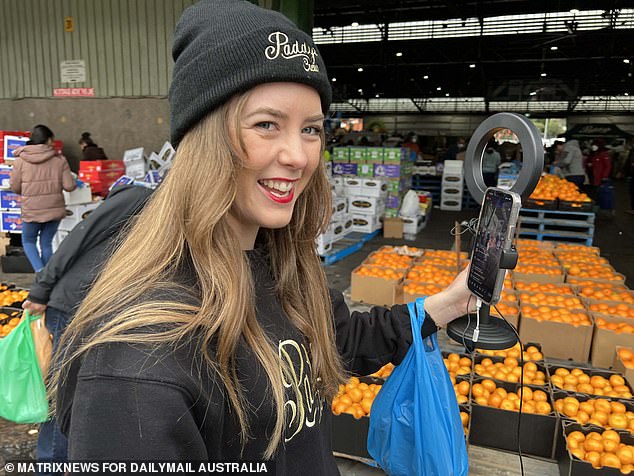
(34, 308)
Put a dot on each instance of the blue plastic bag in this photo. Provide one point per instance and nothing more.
(415, 426)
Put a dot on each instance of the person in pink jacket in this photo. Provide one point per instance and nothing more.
(40, 175)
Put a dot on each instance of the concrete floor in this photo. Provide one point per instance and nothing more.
(614, 234)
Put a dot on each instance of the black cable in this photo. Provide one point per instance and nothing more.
(519, 417)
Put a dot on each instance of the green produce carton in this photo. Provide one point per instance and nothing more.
(392, 155)
(357, 155)
(393, 185)
(374, 155)
(340, 154)
(365, 170)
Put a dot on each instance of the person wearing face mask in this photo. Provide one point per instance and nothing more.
(454, 150)
(601, 162)
(213, 318)
(491, 160)
(570, 161)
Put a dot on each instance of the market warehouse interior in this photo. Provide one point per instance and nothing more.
(411, 82)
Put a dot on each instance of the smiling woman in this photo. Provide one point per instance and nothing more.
(211, 334)
(281, 141)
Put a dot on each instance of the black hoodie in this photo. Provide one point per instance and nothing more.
(136, 402)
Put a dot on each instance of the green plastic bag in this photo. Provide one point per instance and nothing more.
(22, 389)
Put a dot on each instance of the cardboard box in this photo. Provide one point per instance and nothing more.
(374, 290)
(570, 465)
(409, 297)
(392, 227)
(387, 170)
(365, 170)
(361, 205)
(81, 194)
(337, 181)
(352, 186)
(58, 238)
(365, 223)
(76, 213)
(393, 155)
(340, 154)
(619, 366)
(100, 165)
(412, 226)
(558, 339)
(374, 187)
(339, 206)
(606, 341)
(324, 244)
(497, 428)
(10, 144)
(10, 200)
(344, 168)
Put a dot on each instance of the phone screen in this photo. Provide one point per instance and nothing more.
(493, 229)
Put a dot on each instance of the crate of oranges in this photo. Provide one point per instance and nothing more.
(542, 274)
(532, 352)
(351, 407)
(427, 273)
(465, 418)
(550, 299)
(494, 413)
(588, 381)
(523, 244)
(587, 410)
(376, 285)
(457, 364)
(9, 319)
(612, 308)
(563, 333)
(610, 333)
(537, 287)
(601, 272)
(509, 370)
(606, 291)
(586, 451)
(624, 363)
(413, 290)
(403, 250)
(13, 297)
(389, 260)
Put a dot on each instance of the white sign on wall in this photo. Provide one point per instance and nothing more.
(73, 71)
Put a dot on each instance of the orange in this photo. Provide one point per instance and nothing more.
(356, 395)
(507, 405)
(366, 404)
(578, 453)
(618, 420)
(616, 380)
(611, 435)
(592, 444)
(576, 435)
(602, 405)
(617, 407)
(594, 458)
(610, 446)
(610, 460)
(489, 385)
(463, 388)
(464, 416)
(543, 408)
(339, 408)
(626, 454)
(494, 400)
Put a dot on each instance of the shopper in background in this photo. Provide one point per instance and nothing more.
(491, 160)
(601, 162)
(40, 175)
(211, 333)
(570, 161)
(62, 285)
(90, 150)
(457, 148)
(629, 174)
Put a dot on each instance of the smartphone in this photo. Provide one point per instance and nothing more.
(496, 229)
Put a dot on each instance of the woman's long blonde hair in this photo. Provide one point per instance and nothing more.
(186, 220)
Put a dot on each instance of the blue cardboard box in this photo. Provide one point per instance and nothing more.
(9, 199)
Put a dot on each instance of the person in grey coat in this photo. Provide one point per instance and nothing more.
(570, 161)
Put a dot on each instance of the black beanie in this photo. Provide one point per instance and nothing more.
(224, 47)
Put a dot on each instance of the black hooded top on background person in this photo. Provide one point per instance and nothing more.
(211, 334)
(90, 150)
